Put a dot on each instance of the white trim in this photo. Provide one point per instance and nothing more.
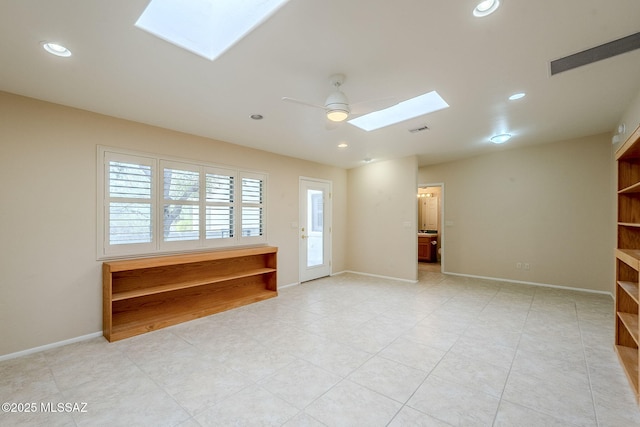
(544, 285)
(441, 230)
(158, 246)
(289, 285)
(49, 346)
(380, 277)
(328, 234)
(496, 279)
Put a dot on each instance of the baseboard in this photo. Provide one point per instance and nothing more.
(378, 276)
(289, 285)
(99, 334)
(49, 346)
(522, 282)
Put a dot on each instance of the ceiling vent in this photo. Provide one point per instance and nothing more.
(420, 129)
(598, 53)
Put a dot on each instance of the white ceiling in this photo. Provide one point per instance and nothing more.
(400, 48)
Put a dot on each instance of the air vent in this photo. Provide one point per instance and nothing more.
(598, 53)
(420, 129)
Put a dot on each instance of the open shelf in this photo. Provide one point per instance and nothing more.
(630, 321)
(147, 294)
(627, 258)
(629, 360)
(631, 288)
(632, 189)
(631, 257)
(119, 296)
(629, 224)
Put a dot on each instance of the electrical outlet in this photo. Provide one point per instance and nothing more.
(527, 266)
(518, 265)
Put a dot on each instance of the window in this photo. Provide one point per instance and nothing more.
(154, 205)
(252, 206)
(220, 191)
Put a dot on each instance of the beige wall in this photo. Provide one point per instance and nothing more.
(546, 205)
(631, 118)
(382, 216)
(50, 287)
(542, 205)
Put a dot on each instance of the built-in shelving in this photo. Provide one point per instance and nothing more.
(145, 294)
(628, 260)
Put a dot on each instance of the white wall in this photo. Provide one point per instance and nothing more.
(631, 118)
(50, 286)
(545, 205)
(382, 219)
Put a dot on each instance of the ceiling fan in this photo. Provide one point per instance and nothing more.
(337, 107)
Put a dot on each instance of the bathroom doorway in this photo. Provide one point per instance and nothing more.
(430, 227)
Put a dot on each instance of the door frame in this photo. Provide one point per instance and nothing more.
(327, 231)
(443, 225)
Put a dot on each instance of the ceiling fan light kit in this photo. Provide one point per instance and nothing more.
(337, 115)
(337, 103)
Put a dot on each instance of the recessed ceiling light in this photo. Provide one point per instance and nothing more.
(368, 160)
(501, 138)
(414, 107)
(56, 49)
(205, 27)
(486, 7)
(257, 116)
(343, 145)
(517, 96)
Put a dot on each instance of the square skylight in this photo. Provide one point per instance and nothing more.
(205, 27)
(405, 110)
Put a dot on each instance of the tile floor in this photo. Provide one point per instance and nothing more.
(349, 351)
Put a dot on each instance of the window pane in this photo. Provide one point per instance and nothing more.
(315, 225)
(317, 210)
(219, 188)
(181, 222)
(129, 180)
(129, 223)
(251, 190)
(251, 221)
(181, 185)
(219, 222)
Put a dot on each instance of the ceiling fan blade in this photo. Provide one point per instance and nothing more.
(366, 107)
(297, 101)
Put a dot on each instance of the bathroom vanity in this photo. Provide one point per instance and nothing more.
(428, 247)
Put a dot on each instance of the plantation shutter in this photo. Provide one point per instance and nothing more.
(219, 200)
(149, 205)
(128, 206)
(181, 202)
(252, 205)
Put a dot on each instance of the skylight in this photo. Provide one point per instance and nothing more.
(414, 107)
(205, 27)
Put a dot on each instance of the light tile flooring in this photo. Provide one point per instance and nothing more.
(349, 351)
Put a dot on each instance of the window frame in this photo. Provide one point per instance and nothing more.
(158, 245)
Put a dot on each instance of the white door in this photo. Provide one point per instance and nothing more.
(432, 213)
(315, 229)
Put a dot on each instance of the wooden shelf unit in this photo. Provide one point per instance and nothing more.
(145, 294)
(627, 329)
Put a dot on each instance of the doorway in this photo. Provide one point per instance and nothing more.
(315, 229)
(430, 227)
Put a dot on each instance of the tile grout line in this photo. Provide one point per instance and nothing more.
(405, 404)
(586, 364)
(515, 354)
